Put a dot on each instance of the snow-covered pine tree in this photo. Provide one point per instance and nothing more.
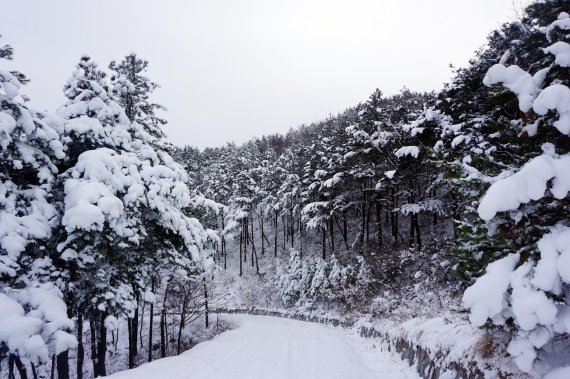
(35, 324)
(123, 206)
(131, 89)
(528, 284)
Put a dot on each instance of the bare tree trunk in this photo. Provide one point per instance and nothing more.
(300, 239)
(11, 367)
(396, 227)
(434, 195)
(151, 320)
(245, 234)
(224, 252)
(262, 235)
(411, 237)
(182, 323)
(131, 362)
(392, 215)
(417, 226)
(367, 223)
(20, 366)
(13, 359)
(240, 253)
(163, 325)
(80, 348)
(102, 348)
(331, 227)
(275, 235)
(345, 228)
(141, 323)
(292, 227)
(206, 310)
(363, 219)
(34, 371)
(63, 365)
(93, 333)
(285, 239)
(300, 236)
(342, 233)
(253, 251)
(324, 242)
(379, 223)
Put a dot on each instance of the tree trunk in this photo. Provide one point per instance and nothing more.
(15, 360)
(262, 235)
(393, 215)
(11, 367)
(241, 253)
(331, 227)
(342, 233)
(367, 223)
(412, 236)
(345, 229)
(141, 323)
(102, 348)
(245, 234)
(163, 325)
(93, 333)
(253, 250)
(224, 253)
(206, 310)
(63, 365)
(34, 371)
(131, 361)
(434, 195)
(300, 235)
(252, 242)
(379, 223)
(324, 242)
(22, 368)
(285, 239)
(363, 220)
(181, 324)
(80, 348)
(151, 320)
(292, 228)
(275, 235)
(163, 335)
(417, 226)
(396, 227)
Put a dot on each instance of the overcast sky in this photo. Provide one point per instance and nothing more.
(234, 69)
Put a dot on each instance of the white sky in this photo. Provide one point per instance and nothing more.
(231, 70)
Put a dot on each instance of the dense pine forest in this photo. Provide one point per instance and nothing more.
(118, 248)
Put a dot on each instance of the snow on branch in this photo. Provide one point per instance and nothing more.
(413, 151)
(530, 183)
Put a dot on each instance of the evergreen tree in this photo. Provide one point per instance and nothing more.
(132, 89)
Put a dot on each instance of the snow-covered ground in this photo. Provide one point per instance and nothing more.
(263, 347)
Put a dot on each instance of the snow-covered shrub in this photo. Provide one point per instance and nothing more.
(323, 281)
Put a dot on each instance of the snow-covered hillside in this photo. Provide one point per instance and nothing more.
(436, 223)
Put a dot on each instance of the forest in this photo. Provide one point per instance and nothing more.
(119, 248)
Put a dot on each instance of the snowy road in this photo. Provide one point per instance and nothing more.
(273, 348)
